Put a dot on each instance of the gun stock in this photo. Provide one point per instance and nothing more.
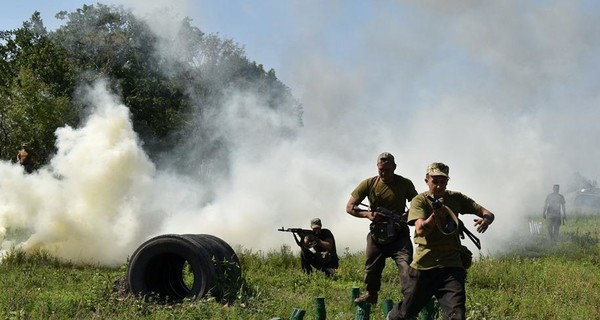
(300, 232)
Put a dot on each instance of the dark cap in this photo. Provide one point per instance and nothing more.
(386, 157)
(438, 169)
(315, 223)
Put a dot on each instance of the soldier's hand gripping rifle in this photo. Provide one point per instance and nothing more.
(394, 219)
(388, 215)
(453, 219)
(392, 216)
(301, 233)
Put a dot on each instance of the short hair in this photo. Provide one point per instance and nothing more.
(386, 157)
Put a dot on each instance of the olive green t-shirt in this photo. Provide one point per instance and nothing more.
(554, 201)
(391, 195)
(436, 249)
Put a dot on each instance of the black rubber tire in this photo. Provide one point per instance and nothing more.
(228, 273)
(156, 269)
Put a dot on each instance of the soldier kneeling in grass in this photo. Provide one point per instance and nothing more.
(318, 249)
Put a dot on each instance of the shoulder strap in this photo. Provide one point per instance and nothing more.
(470, 235)
(461, 227)
(464, 229)
(371, 185)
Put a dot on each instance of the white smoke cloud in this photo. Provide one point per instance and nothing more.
(502, 92)
(87, 205)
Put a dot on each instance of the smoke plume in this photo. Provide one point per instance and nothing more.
(504, 93)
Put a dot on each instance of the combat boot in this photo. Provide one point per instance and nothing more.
(329, 272)
(368, 297)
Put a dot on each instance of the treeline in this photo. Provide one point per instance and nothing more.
(171, 94)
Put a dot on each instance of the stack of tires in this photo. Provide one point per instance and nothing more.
(170, 268)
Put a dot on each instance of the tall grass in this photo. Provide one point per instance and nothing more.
(536, 280)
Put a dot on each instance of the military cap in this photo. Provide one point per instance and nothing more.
(438, 169)
(385, 157)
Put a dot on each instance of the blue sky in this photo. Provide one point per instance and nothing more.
(14, 13)
(232, 19)
(265, 28)
(505, 92)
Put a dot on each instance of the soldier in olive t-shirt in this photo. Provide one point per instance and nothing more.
(427, 253)
(391, 192)
(437, 267)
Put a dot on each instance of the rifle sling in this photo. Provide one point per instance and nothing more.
(462, 228)
(470, 235)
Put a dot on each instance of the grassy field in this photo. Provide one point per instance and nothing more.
(532, 281)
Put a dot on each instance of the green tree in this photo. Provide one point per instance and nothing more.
(169, 93)
(172, 94)
(110, 42)
(36, 85)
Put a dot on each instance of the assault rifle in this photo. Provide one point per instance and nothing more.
(392, 216)
(301, 233)
(437, 203)
(388, 214)
(393, 219)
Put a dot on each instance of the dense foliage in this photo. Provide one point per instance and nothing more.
(172, 86)
(36, 83)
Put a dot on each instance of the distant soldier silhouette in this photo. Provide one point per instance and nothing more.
(553, 208)
(25, 157)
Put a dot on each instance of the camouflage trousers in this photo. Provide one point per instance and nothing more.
(446, 284)
(400, 250)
